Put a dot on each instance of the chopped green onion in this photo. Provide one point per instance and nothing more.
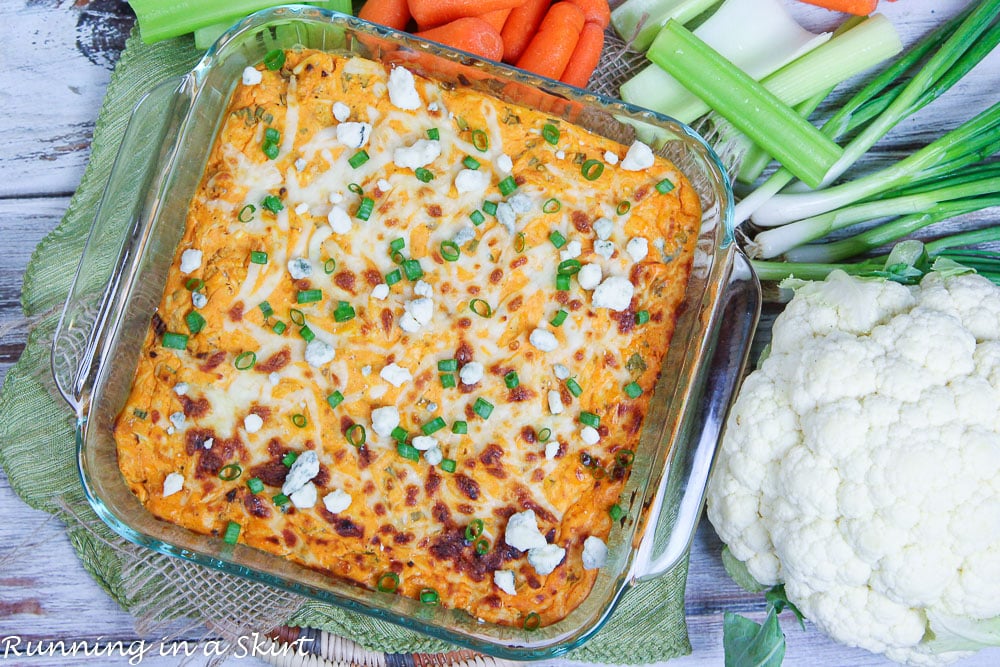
(365, 208)
(490, 207)
(429, 596)
(397, 244)
(519, 242)
(255, 484)
(633, 390)
(230, 472)
(664, 186)
(296, 316)
(474, 529)
(194, 321)
(481, 308)
(232, 534)
(616, 512)
(460, 427)
(448, 465)
(299, 420)
(511, 380)
(289, 458)
(141, 414)
(551, 206)
(590, 419)
(544, 434)
(569, 267)
(450, 250)
(574, 387)
(625, 457)
(408, 451)
(447, 380)
(411, 267)
(274, 59)
(279, 327)
(393, 277)
(358, 159)
(562, 282)
(480, 140)
(356, 435)
(272, 204)
(306, 333)
(279, 499)
(482, 546)
(559, 318)
(399, 433)
(642, 317)
(550, 133)
(356, 189)
(448, 365)
(265, 309)
(557, 239)
(476, 217)
(623, 207)
(270, 150)
(194, 284)
(433, 134)
(272, 135)
(329, 266)
(470, 162)
(246, 213)
(245, 361)
(592, 169)
(483, 408)
(335, 399)
(309, 296)
(507, 186)
(175, 341)
(532, 622)
(344, 312)
(424, 175)
(258, 257)
(433, 426)
(388, 582)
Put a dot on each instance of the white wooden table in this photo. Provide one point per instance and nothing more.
(55, 62)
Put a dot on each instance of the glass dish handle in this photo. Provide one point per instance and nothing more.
(110, 245)
(737, 312)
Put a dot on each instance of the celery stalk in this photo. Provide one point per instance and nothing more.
(162, 19)
(745, 103)
(775, 41)
(638, 21)
(756, 159)
(205, 37)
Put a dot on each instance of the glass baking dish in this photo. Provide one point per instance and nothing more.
(142, 216)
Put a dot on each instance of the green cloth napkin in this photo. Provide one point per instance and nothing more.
(38, 453)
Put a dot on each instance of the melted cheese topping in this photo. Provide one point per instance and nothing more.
(486, 315)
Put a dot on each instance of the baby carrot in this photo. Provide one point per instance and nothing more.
(585, 56)
(858, 7)
(468, 34)
(392, 13)
(432, 13)
(595, 11)
(496, 18)
(520, 27)
(553, 44)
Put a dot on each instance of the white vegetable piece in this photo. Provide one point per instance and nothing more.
(319, 353)
(337, 501)
(306, 467)
(614, 293)
(595, 553)
(522, 531)
(384, 420)
(402, 89)
(504, 579)
(172, 484)
(861, 462)
(545, 559)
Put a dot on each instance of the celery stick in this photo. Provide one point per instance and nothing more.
(768, 122)
(205, 37)
(776, 40)
(756, 159)
(652, 14)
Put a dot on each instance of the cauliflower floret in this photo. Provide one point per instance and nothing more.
(861, 461)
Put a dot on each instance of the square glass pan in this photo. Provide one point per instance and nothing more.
(142, 217)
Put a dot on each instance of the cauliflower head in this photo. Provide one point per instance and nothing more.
(861, 461)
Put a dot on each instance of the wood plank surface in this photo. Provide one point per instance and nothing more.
(54, 66)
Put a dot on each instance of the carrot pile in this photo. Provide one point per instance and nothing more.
(561, 40)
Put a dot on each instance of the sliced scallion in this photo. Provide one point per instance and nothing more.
(307, 334)
(335, 399)
(481, 308)
(552, 205)
(592, 169)
(507, 186)
(448, 465)
(412, 270)
(245, 360)
(358, 159)
(195, 321)
(175, 341)
(365, 208)
(232, 534)
(343, 312)
(480, 140)
(258, 257)
(433, 426)
(423, 174)
(246, 213)
(460, 427)
(633, 390)
(557, 239)
(574, 387)
(356, 435)
(550, 133)
(255, 485)
(483, 408)
(309, 296)
(476, 217)
(511, 380)
(388, 582)
(272, 204)
(407, 451)
(274, 59)
(450, 251)
(230, 472)
(393, 277)
(559, 318)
